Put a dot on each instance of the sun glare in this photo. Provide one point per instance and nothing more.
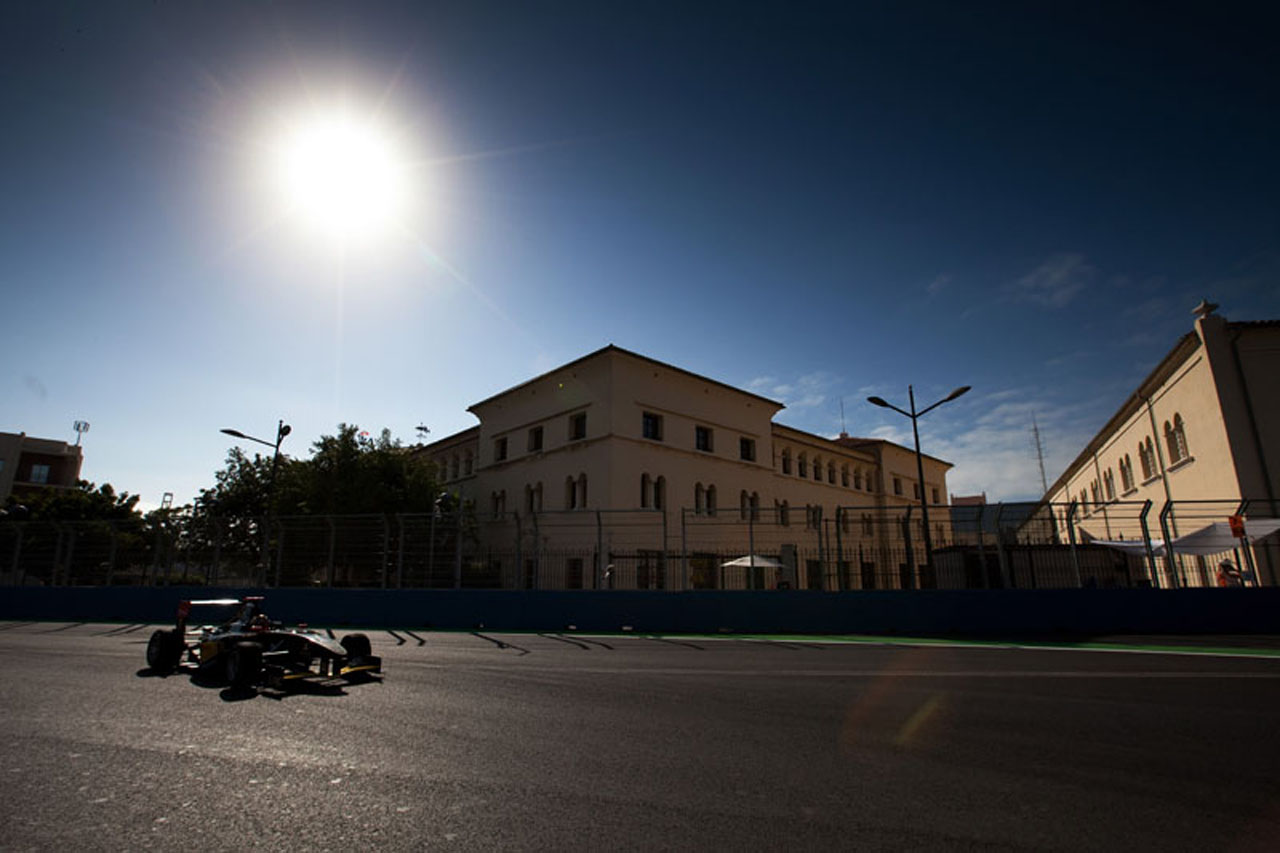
(342, 178)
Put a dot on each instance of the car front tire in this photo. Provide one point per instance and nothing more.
(164, 651)
(244, 665)
(357, 645)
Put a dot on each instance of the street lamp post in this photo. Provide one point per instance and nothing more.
(282, 429)
(915, 430)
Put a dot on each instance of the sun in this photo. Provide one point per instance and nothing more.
(341, 177)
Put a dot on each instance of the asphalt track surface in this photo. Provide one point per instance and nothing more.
(567, 742)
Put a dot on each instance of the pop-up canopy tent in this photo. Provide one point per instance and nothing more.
(1216, 538)
(752, 560)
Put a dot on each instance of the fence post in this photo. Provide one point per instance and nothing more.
(1146, 540)
(18, 568)
(264, 560)
(751, 545)
(68, 560)
(111, 555)
(666, 582)
(537, 551)
(983, 576)
(1169, 557)
(1071, 537)
(684, 549)
(599, 580)
(841, 583)
(400, 551)
(908, 552)
(457, 549)
(217, 549)
(279, 550)
(1006, 573)
(519, 572)
(386, 547)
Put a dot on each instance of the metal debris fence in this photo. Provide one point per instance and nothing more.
(997, 546)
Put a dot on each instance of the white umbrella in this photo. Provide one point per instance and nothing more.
(752, 560)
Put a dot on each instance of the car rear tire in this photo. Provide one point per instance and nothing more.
(244, 665)
(357, 645)
(164, 650)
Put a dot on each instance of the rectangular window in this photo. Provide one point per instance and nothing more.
(535, 439)
(747, 449)
(651, 426)
(897, 485)
(499, 449)
(578, 426)
(702, 438)
(935, 496)
(40, 474)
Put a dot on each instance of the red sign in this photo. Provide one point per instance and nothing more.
(1237, 525)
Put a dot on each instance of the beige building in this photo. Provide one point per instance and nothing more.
(659, 460)
(28, 464)
(1199, 438)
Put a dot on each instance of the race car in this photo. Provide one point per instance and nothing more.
(247, 649)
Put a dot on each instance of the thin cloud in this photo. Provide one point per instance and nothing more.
(1056, 282)
(938, 285)
(804, 392)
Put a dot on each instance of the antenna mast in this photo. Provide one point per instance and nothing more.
(1035, 434)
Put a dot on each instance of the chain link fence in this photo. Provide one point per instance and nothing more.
(862, 547)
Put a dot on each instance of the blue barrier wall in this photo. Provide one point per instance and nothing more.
(933, 612)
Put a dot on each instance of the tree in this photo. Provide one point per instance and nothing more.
(348, 473)
(86, 502)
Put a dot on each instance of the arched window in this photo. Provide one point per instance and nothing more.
(1147, 456)
(803, 466)
(831, 472)
(857, 478)
(1126, 473)
(699, 499)
(1093, 492)
(711, 500)
(582, 491)
(743, 504)
(646, 489)
(754, 505)
(1109, 484)
(817, 468)
(570, 493)
(844, 476)
(453, 467)
(467, 464)
(660, 493)
(786, 461)
(1175, 438)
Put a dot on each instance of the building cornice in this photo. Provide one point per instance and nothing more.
(1186, 346)
(613, 348)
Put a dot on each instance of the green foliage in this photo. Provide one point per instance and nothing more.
(86, 502)
(348, 473)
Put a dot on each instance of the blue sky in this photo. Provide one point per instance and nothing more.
(814, 201)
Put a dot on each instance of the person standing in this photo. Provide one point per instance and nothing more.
(1229, 575)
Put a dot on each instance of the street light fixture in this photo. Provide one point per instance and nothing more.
(282, 430)
(915, 430)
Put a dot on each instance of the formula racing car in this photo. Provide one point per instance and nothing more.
(248, 649)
